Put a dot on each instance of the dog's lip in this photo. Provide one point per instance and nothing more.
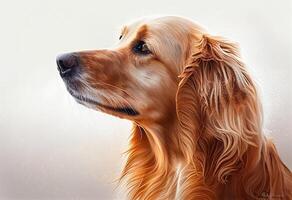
(125, 110)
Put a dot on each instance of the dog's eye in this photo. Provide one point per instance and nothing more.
(141, 48)
(120, 37)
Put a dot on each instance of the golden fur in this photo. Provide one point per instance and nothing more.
(198, 134)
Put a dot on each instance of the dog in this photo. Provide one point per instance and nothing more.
(197, 117)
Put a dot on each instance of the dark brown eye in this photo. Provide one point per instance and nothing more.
(141, 48)
(120, 37)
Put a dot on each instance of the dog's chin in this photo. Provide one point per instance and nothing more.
(123, 112)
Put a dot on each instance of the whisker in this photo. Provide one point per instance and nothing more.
(113, 98)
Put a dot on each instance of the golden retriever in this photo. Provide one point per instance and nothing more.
(197, 118)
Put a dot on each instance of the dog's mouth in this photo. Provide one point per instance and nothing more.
(123, 110)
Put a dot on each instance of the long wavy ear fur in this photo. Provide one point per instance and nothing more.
(221, 119)
(217, 107)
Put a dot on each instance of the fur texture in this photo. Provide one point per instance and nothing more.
(198, 134)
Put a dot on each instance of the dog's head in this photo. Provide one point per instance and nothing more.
(137, 79)
(160, 67)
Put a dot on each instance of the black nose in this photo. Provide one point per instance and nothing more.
(67, 64)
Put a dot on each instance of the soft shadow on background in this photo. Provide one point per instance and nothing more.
(53, 148)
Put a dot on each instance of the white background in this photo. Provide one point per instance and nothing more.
(53, 148)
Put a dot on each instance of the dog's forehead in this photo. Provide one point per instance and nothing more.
(170, 26)
(151, 24)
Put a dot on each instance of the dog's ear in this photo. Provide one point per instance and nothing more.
(217, 107)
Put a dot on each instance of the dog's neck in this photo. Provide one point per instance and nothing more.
(163, 138)
(155, 151)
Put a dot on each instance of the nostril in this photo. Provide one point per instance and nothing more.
(63, 66)
(66, 64)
